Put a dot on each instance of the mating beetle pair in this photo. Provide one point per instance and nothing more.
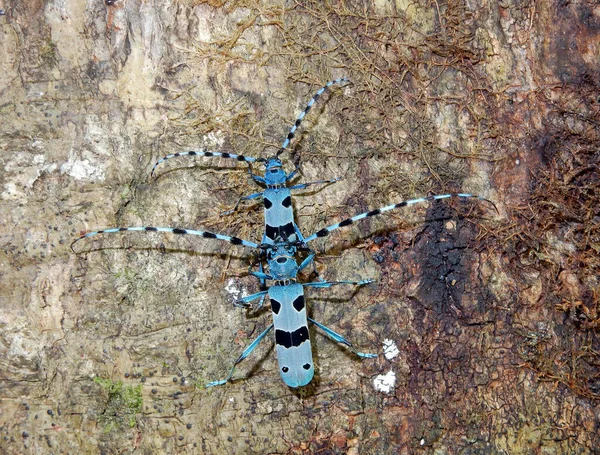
(280, 245)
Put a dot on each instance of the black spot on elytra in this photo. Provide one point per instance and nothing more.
(271, 232)
(298, 303)
(283, 338)
(275, 306)
(299, 336)
(287, 231)
(289, 339)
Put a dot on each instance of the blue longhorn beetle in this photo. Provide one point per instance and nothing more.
(293, 347)
(288, 308)
(287, 296)
(277, 196)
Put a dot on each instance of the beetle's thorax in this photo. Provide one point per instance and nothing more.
(282, 262)
(275, 175)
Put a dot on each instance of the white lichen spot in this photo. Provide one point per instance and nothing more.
(215, 139)
(385, 382)
(390, 350)
(422, 442)
(10, 191)
(232, 288)
(82, 170)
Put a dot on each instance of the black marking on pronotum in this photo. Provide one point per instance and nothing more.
(287, 202)
(275, 306)
(299, 303)
(267, 202)
(291, 339)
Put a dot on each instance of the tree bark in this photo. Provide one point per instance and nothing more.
(495, 316)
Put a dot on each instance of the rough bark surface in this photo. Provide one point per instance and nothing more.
(496, 316)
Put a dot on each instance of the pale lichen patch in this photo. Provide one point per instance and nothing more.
(82, 170)
(390, 350)
(385, 382)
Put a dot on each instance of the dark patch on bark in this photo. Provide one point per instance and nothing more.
(445, 263)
